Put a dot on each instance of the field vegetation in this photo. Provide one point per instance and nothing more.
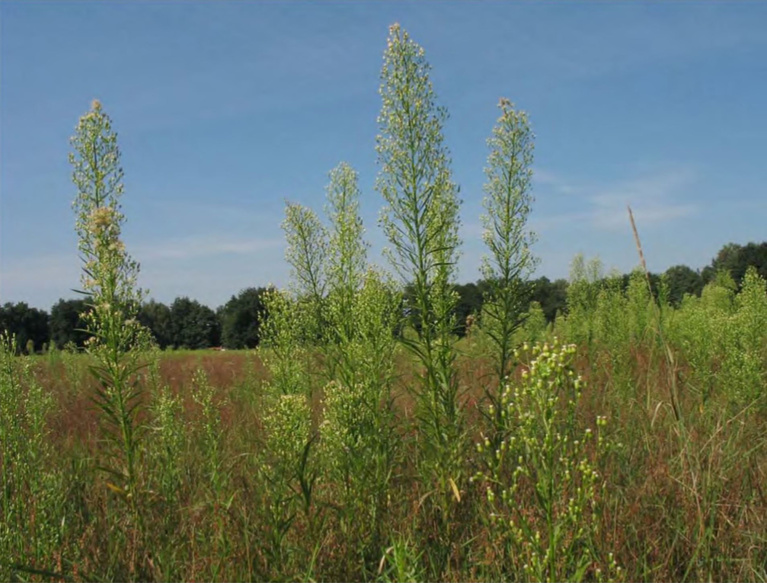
(622, 439)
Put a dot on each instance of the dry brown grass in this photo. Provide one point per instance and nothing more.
(677, 505)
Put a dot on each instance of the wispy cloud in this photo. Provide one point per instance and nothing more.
(547, 179)
(206, 267)
(654, 198)
(38, 280)
(203, 246)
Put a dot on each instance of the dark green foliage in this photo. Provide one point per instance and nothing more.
(241, 319)
(470, 299)
(655, 283)
(682, 280)
(735, 260)
(194, 325)
(551, 295)
(157, 317)
(238, 322)
(26, 323)
(67, 324)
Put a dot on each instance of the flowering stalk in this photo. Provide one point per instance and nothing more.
(541, 480)
(347, 256)
(421, 223)
(295, 323)
(109, 281)
(307, 255)
(507, 205)
(357, 437)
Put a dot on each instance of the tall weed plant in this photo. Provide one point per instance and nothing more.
(421, 223)
(117, 340)
(357, 430)
(32, 518)
(547, 457)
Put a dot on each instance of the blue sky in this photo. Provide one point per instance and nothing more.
(225, 110)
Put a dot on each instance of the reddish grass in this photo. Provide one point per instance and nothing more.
(655, 508)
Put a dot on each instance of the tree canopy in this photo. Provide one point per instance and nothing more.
(241, 319)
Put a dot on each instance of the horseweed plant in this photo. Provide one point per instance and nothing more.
(721, 336)
(545, 458)
(507, 204)
(582, 296)
(357, 429)
(535, 328)
(282, 348)
(347, 252)
(295, 325)
(307, 255)
(610, 329)
(168, 443)
(357, 432)
(288, 469)
(31, 517)
(287, 424)
(295, 317)
(421, 223)
(109, 281)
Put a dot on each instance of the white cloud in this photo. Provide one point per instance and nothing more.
(557, 183)
(654, 198)
(204, 246)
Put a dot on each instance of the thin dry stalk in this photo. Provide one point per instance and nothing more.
(671, 368)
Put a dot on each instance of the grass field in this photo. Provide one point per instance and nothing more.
(676, 488)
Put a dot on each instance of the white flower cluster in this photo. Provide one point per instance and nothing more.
(540, 468)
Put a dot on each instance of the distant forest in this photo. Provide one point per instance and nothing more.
(188, 324)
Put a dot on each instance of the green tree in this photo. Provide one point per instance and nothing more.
(194, 325)
(753, 255)
(156, 317)
(551, 295)
(682, 280)
(727, 259)
(67, 322)
(28, 325)
(241, 319)
(470, 300)
(736, 259)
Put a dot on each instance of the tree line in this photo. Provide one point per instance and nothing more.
(185, 323)
(679, 280)
(189, 324)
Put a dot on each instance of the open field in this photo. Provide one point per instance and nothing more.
(679, 491)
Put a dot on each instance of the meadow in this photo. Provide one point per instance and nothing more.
(362, 439)
(679, 464)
